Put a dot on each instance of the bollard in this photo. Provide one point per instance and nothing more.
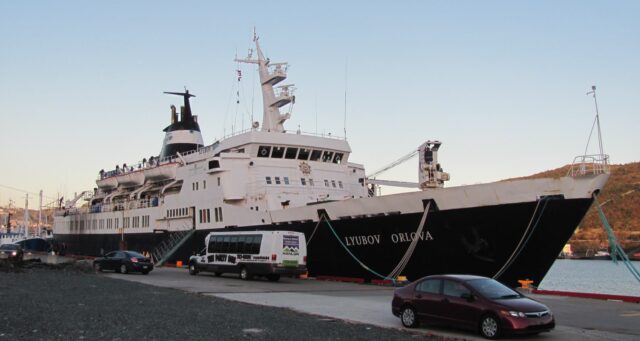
(524, 283)
(179, 264)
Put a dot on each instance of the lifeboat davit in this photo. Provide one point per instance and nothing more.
(161, 172)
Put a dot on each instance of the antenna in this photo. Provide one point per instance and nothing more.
(596, 122)
(346, 68)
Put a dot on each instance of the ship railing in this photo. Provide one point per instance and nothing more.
(121, 206)
(589, 165)
(296, 132)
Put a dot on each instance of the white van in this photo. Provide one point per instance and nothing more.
(252, 253)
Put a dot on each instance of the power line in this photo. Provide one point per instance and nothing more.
(25, 191)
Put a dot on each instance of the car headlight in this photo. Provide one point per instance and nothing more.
(514, 313)
(14, 253)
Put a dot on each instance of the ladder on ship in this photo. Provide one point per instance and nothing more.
(168, 247)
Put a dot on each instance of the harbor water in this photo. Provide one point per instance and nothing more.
(591, 276)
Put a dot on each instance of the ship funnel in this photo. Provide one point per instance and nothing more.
(183, 134)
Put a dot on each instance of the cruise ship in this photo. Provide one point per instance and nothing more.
(270, 178)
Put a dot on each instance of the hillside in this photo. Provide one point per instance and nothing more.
(620, 200)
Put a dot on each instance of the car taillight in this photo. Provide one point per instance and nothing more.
(274, 257)
(134, 260)
(304, 259)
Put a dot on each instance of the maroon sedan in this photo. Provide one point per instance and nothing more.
(471, 302)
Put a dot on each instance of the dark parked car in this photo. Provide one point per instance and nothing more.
(471, 302)
(123, 262)
(11, 252)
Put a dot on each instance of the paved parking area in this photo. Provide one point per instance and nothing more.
(577, 319)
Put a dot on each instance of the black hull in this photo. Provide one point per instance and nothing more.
(510, 241)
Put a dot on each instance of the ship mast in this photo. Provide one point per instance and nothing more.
(272, 99)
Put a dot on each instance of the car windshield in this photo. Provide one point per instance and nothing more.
(9, 247)
(493, 289)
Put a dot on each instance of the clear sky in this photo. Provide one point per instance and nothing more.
(501, 83)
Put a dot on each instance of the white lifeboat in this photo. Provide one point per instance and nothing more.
(161, 172)
(131, 179)
(107, 183)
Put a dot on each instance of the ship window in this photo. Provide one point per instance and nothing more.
(214, 164)
(303, 154)
(263, 151)
(340, 184)
(333, 183)
(204, 184)
(291, 153)
(315, 155)
(326, 183)
(303, 181)
(268, 180)
(215, 211)
(218, 181)
(310, 182)
(277, 180)
(327, 156)
(286, 180)
(277, 152)
(220, 209)
(208, 215)
(338, 158)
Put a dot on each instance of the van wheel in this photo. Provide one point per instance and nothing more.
(192, 269)
(273, 278)
(244, 274)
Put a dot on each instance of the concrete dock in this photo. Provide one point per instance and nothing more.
(576, 318)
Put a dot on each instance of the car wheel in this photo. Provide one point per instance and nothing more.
(123, 269)
(145, 272)
(273, 278)
(489, 327)
(409, 317)
(244, 274)
(217, 274)
(192, 269)
(97, 267)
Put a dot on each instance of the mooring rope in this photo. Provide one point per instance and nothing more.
(405, 259)
(616, 249)
(403, 262)
(525, 237)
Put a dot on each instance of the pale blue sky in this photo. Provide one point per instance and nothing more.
(501, 83)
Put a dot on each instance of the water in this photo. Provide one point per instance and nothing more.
(592, 276)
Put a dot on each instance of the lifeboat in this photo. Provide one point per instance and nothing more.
(162, 172)
(131, 179)
(107, 183)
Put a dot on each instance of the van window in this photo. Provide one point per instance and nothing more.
(233, 244)
(225, 244)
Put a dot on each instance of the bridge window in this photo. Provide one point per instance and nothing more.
(338, 158)
(215, 164)
(291, 153)
(315, 155)
(304, 154)
(327, 156)
(277, 180)
(268, 180)
(277, 152)
(264, 151)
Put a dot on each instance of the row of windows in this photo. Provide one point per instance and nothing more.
(178, 212)
(247, 244)
(205, 215)
(101, 224)
(294, 153)
(195, 186)
(303, 182)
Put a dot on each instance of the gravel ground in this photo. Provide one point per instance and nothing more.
(41, 302)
